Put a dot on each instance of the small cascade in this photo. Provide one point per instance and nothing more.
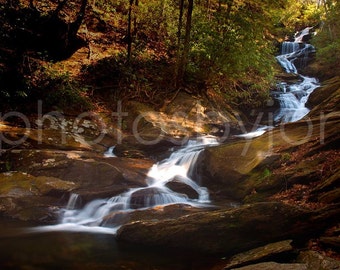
(293, 52)
(107, 215)
(301, 36)
(73, 201)
(288, 47)
(109, 152)
(293, 97)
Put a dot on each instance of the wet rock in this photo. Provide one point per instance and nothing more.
(41, 210)
(182, 188)
(316, 261)
(190, 114)
(325, 99)
(249, 169)
(95, 175)
(26, 197)
(288, 77)
(224, 176)
(151, 196)
(148, 143)
(53, 174)
(157, 213)
(275, 266)
(18, 184)
(229, 231)
(266, 253)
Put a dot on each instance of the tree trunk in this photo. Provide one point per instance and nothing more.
(74, 27)
(59, 8)
(129, 34)
(61, 37)
(186, 48)
(184, 54)
(180, 24)
(179, 44)
(135, 30)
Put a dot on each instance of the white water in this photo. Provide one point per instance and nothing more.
(253, 134)
(292, 98)
(106, 215)
(299, 36)
(109, 152)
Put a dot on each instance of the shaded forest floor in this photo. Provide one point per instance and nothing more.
(90, 71)
(92, 74)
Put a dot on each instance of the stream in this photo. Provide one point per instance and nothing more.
(97, 215)
(292, 97)
(84, 237)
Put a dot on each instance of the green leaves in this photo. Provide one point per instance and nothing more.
(232, 39)
(327, 39)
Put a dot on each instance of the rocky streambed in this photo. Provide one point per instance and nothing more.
(283, 185)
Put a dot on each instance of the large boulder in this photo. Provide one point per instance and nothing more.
(291, 154)
(27, 197)
(272, 251)
(37, 183)
(325, 99)
(229, 231)
(92, 172)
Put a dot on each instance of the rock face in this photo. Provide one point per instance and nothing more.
(26, 197)
(255, 169)
(18, 184)
(88, 169)
(40, 172)
(269, 251)
(48, 177)
(228, 231)
(223, 167)
(325, 99)
(275, 266)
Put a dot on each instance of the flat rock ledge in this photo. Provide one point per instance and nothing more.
(270, 251)
(232, 231)
(273, 255)
(274, 266)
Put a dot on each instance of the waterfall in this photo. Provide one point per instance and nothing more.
(289, 47)
(293, 97)
(73, 201)
(109, 152)
(107, 215)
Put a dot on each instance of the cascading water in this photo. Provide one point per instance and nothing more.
(100, 215)
(292, 98)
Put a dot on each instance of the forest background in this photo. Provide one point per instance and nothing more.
(86, 55)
